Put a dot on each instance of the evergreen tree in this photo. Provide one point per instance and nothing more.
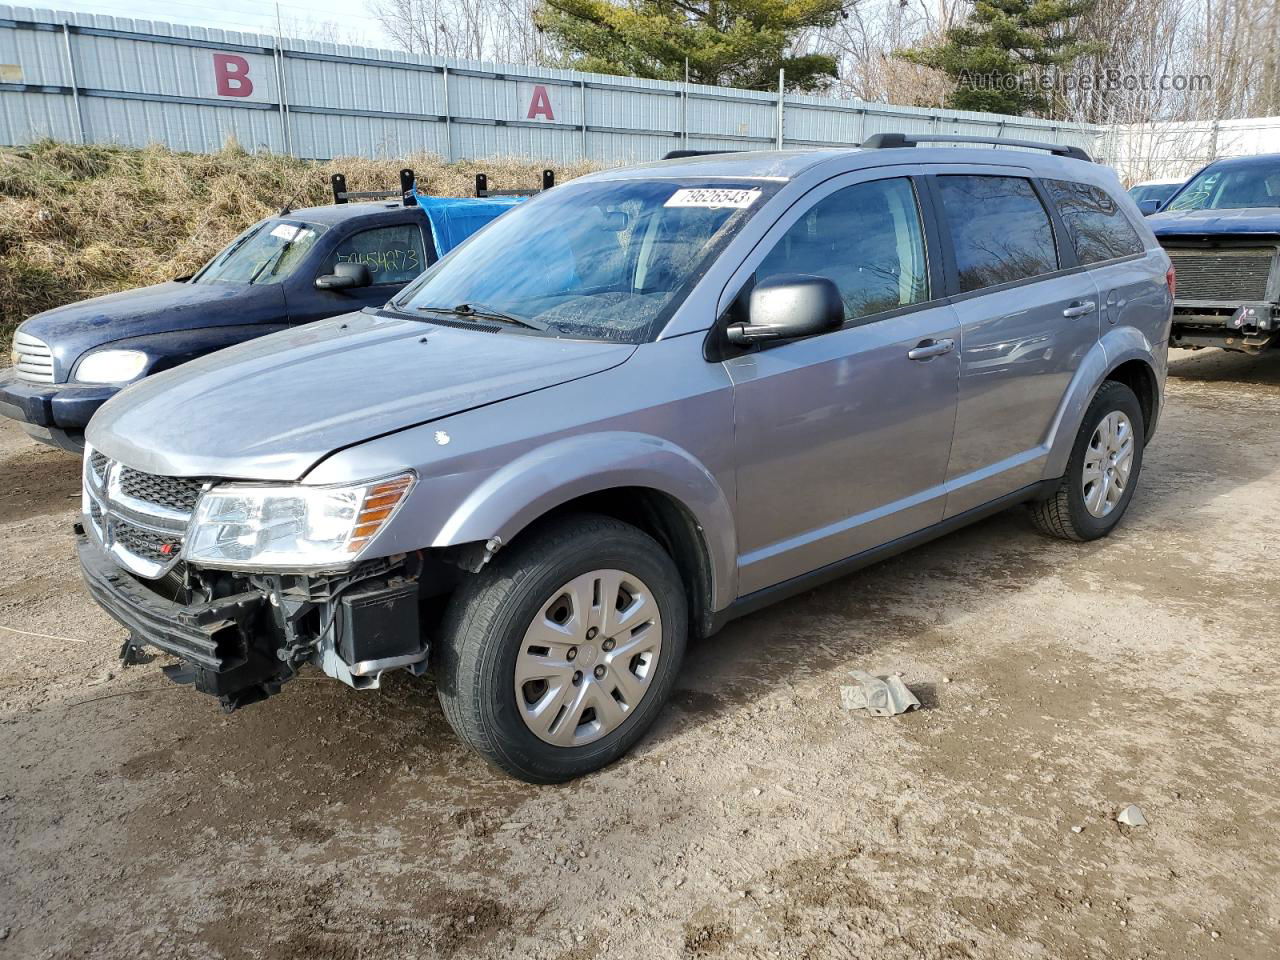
(1005, 52)
(736, 43)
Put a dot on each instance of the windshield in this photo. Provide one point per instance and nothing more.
(265, 253)
(608, 260)
(1231, 188)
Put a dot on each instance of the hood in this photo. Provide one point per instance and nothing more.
(1246, 221)
(269, 409)
(165, 307)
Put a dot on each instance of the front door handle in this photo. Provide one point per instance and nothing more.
(928, 349)
(1080, 309)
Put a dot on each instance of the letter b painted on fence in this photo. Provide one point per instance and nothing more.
(231, 74)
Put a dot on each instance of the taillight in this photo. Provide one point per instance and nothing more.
(1171, 281)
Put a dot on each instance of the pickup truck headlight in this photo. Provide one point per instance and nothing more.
(292, 526)
(111, 366)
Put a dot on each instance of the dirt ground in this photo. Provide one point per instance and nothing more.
(1060, 682)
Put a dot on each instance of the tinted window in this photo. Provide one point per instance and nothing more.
(1153, 191)
(1098, 229)
(999, 229)
(392, 254)
(866, 239)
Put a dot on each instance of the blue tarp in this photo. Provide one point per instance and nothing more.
(453, 219)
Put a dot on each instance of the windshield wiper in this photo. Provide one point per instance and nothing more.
(272, 262)
(480, 312)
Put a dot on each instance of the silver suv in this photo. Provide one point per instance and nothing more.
(633, 408)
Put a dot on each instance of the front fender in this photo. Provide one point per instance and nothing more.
(571, 467)
(1117, 346)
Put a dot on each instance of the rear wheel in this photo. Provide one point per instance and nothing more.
(1102, 472)
(557, 657)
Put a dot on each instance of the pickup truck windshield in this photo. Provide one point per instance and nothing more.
(604, 260)
(265, 253)
(1231, 188)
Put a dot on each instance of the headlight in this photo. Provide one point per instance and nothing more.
(111, 366)
(291, 526)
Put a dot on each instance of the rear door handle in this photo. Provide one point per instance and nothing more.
(928, 349)
(1080, 309)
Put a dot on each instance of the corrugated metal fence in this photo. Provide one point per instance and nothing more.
(102, 79)
(1147, 151)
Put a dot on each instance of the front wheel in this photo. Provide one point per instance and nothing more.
(1102, 472)
(557, 657)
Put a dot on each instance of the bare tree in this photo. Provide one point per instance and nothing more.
(469, 29)
(864, 41)
(327, 31)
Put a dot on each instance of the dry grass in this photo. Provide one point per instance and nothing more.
(78, 221)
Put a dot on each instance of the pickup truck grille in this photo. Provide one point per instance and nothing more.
(140, 518)
(32, 359)
(1227, 274)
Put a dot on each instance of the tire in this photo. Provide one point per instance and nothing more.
(496, 620)
(1067, 513)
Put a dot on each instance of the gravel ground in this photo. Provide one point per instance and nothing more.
(1060, 682)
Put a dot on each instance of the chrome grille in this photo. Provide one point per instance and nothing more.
(140, 518)
(157, 548)
(32, 359)
(176, 493)
(1233, 275)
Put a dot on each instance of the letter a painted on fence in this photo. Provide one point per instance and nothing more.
(540, 104)
(231, 73)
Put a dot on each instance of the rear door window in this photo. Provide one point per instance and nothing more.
(999, 229)
(1098, 228)
(867, 239)
(394, 255)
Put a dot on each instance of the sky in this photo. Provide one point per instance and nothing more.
(357, 24)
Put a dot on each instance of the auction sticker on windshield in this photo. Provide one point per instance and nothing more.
(713, 198)
(290, 232)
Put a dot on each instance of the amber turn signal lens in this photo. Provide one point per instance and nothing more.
(380, 502)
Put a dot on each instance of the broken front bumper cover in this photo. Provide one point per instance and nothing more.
(244, 646)
(221, 640)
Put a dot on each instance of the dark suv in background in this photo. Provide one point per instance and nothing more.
(299, 266)
(1222, 232)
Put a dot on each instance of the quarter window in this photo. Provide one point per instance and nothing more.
(1098, 227)
(999, 229)
(393, 255)
(867, 239)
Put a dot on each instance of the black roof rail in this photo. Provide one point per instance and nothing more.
(482, 186)
(887, 141)
(681, 154)
(342, 195)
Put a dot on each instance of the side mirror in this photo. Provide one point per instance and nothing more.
(1148, 207)
(787, 306)
(345, 276)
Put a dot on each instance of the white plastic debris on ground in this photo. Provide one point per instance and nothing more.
(879, 696)
(1131, 816)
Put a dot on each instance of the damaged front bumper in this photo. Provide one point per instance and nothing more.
(1244, 326)
(243, 637)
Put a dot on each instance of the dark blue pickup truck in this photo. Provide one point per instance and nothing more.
(299, 266)
(1222, 232)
